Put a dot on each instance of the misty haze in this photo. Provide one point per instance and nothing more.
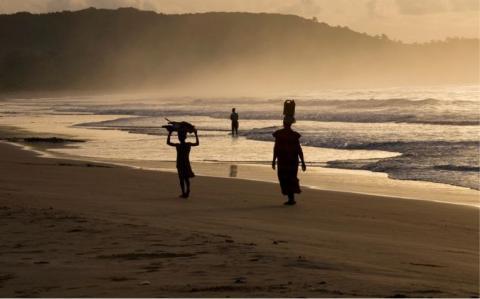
(301, 148)
(215, 53)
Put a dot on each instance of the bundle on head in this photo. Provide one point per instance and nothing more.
(289, 108)
(289, 112)
(175, 126)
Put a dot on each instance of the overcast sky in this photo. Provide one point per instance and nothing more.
(407, 20)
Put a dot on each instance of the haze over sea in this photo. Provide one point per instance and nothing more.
(422, 133)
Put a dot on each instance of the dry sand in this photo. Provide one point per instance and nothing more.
(73, 228)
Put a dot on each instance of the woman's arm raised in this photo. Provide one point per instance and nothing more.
(168, 139)
(197, 142)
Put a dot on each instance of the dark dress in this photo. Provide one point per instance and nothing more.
(287, 149)
(183, 160)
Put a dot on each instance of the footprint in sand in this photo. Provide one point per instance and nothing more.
(119, 278)
(426, 265)
(5, 277)
(240, 280)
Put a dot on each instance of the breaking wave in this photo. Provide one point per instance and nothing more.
(396, 110)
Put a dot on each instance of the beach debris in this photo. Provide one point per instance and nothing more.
(144, 283)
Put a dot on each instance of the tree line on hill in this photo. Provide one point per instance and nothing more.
(129, 49)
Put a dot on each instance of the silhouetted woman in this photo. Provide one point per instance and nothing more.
(183, 160)
(287, 151)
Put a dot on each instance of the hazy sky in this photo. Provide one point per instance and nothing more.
(407, 20)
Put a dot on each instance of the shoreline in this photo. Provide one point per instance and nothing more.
(263, 173)
(359, 164)
(435, 164)
(74, 129)
(232, 238)
(473, 196)
(320, 178)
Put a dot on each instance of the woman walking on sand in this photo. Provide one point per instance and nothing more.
(287, 151)
(183, 160)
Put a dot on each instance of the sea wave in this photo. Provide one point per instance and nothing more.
(425, 155)
(395, 110)
(437, 136)
(449, 162)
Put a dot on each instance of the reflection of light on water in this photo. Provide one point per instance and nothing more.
(145, 116)
(214, 145)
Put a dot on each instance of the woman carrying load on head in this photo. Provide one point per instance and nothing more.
(288, 151)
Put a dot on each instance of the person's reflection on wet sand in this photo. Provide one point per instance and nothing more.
(233, 171)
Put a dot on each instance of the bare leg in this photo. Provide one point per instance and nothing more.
(182, 186)
(187, 183)
(291, 199)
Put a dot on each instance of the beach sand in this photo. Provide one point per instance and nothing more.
(73, 228)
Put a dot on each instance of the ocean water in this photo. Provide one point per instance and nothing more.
(424, 133)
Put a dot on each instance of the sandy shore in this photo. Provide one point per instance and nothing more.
(73, 228)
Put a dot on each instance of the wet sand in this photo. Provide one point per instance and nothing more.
(73, 228)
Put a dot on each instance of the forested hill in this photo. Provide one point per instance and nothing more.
(97, 49)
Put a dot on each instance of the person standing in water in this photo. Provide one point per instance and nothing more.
(288, 151)
(234, 119)
(183, 160)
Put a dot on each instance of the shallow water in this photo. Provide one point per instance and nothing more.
(435, 128)
(215, 146)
